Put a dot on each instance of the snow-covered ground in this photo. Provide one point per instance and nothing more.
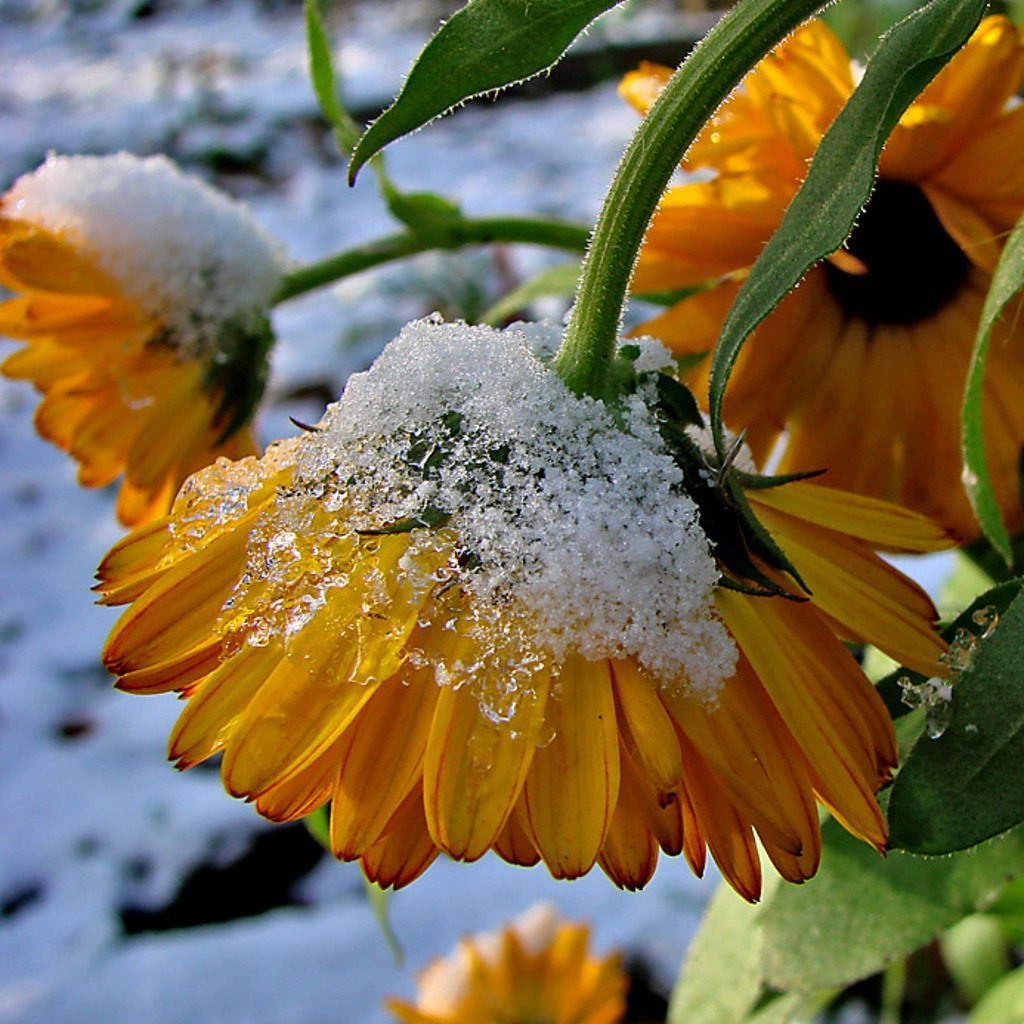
(109, 860)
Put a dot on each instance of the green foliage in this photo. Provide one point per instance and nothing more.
(968, 784)
(558, 280)
(863, 911)
(841, 175)
(1006, 282)
(485, 46)
(721, 979)
(321, 74)
(1003, 1003)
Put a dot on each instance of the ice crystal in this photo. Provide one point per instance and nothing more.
(565, 523)
(935, 695)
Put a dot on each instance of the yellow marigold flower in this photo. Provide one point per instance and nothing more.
(475, 611)
(141, 297)
(861, 369)
(535, 969)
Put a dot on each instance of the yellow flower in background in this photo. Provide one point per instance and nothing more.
(535, 969)
(141, 298)
(475, 611)
(860, 370)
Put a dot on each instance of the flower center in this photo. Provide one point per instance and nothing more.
(914, 267)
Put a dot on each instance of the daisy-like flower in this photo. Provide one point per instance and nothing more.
(141, 297)
(860, 370)
(535, 969)
(475, 611)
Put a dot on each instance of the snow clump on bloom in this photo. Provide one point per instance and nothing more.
(567, 510)
(188, 255)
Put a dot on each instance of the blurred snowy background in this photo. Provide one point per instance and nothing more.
(129, 893)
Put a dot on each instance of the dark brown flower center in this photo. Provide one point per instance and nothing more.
(913, 266)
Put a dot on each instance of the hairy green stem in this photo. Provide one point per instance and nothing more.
(690, 97)
(467, 231)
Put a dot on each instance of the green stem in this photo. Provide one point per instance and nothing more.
(467, 231)
(690, 97)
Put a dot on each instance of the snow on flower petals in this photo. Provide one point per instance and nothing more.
(564, 525)
(188, 255)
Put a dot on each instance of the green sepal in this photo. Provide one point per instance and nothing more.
(429, 519)
(237, 372)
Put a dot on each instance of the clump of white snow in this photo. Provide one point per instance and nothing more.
(187, 254)
(564, 510)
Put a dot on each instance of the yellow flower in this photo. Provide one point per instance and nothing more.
(474, 611)
(140, 295)
(861, 369)
(534, 970)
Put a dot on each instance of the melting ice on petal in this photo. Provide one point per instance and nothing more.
(566, 524)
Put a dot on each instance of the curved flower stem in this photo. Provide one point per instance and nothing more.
(690, 97)
(466, 231)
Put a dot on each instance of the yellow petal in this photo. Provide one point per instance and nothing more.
(175, 673)
(406, 850)
(728, 836)
(210, 714)
(179, 611)
(475, 767)
(883, 525)
(383, 762)
(645, 727)
(629, 853)
(573, 782)
(290, 722)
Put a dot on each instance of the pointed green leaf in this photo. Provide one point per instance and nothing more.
(558, 280)
(379, 900)
(1007, 281)
(968, 784)
(321, 73)
(841, 175)
(721, 980)
(863, 911)
(485, 46)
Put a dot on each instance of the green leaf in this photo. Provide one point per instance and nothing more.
(321, 73)
(1003, 1003)
(1006, 282)
(792, 1008)
(485, 46)
(863, 911)
(430, 217)
(968, 784)
(841, 175)
(379, 900)
(721, 979)
(558, 280)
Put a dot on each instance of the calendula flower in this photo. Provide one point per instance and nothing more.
(860, 370)
(141, 297)
(535, 969)
(475, 611)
